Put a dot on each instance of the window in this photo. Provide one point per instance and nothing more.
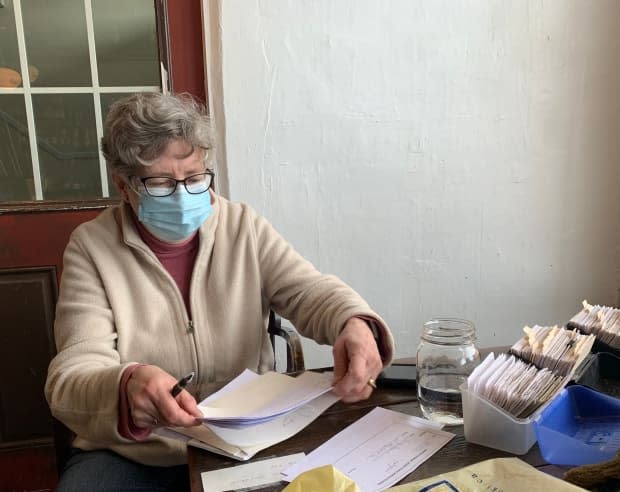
(62, 64)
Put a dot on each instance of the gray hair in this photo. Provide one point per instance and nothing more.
(138, 128)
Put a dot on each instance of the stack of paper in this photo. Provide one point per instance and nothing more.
(537, 367)
(517, 387)
(254, 412)
(557, 349)
(263, 398)
(601, 321)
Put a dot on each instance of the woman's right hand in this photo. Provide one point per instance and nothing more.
(152, 405)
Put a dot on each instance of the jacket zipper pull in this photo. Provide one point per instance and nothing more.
(190, 326)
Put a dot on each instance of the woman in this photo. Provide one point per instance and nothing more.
(176, 279)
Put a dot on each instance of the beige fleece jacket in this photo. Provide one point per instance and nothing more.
(118, 306)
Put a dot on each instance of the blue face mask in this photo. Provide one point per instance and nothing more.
(174, 217)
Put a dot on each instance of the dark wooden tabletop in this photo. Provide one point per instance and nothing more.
(456, 454)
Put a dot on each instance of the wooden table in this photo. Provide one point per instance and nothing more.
(456, 454)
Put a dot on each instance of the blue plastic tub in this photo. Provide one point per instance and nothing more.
(580, 426)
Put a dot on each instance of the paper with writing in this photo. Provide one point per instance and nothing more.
(378, 450)
(248, 476)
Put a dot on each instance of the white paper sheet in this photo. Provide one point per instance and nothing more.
(378, 450)
(244, 441)
(275, 430)
(247, 476)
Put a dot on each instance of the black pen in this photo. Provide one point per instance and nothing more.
(181, 384)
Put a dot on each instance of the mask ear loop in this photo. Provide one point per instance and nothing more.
(125, 191)
(122, 183)
(131, 184)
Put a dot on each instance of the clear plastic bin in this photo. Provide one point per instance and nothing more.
(581, 426)
(489, 425)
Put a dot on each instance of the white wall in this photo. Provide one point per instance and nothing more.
(448, 157)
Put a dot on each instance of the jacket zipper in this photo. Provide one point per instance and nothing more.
(190, 323)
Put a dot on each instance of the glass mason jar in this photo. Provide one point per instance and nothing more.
(447, 354)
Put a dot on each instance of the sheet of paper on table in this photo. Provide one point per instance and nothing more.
(242, 441)
(378, 450)
(248, 476)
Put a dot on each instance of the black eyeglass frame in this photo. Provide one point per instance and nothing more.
(207, 172)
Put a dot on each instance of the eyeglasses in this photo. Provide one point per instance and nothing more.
(160, 186)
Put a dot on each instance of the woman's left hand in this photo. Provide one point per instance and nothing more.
(356, 361)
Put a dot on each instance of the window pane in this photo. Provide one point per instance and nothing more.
(57, 52)
(56, 42)
(16, 181)
(67, 143)
(9, 57)
(126, 44)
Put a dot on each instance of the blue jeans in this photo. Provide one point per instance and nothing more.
(101, 471)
